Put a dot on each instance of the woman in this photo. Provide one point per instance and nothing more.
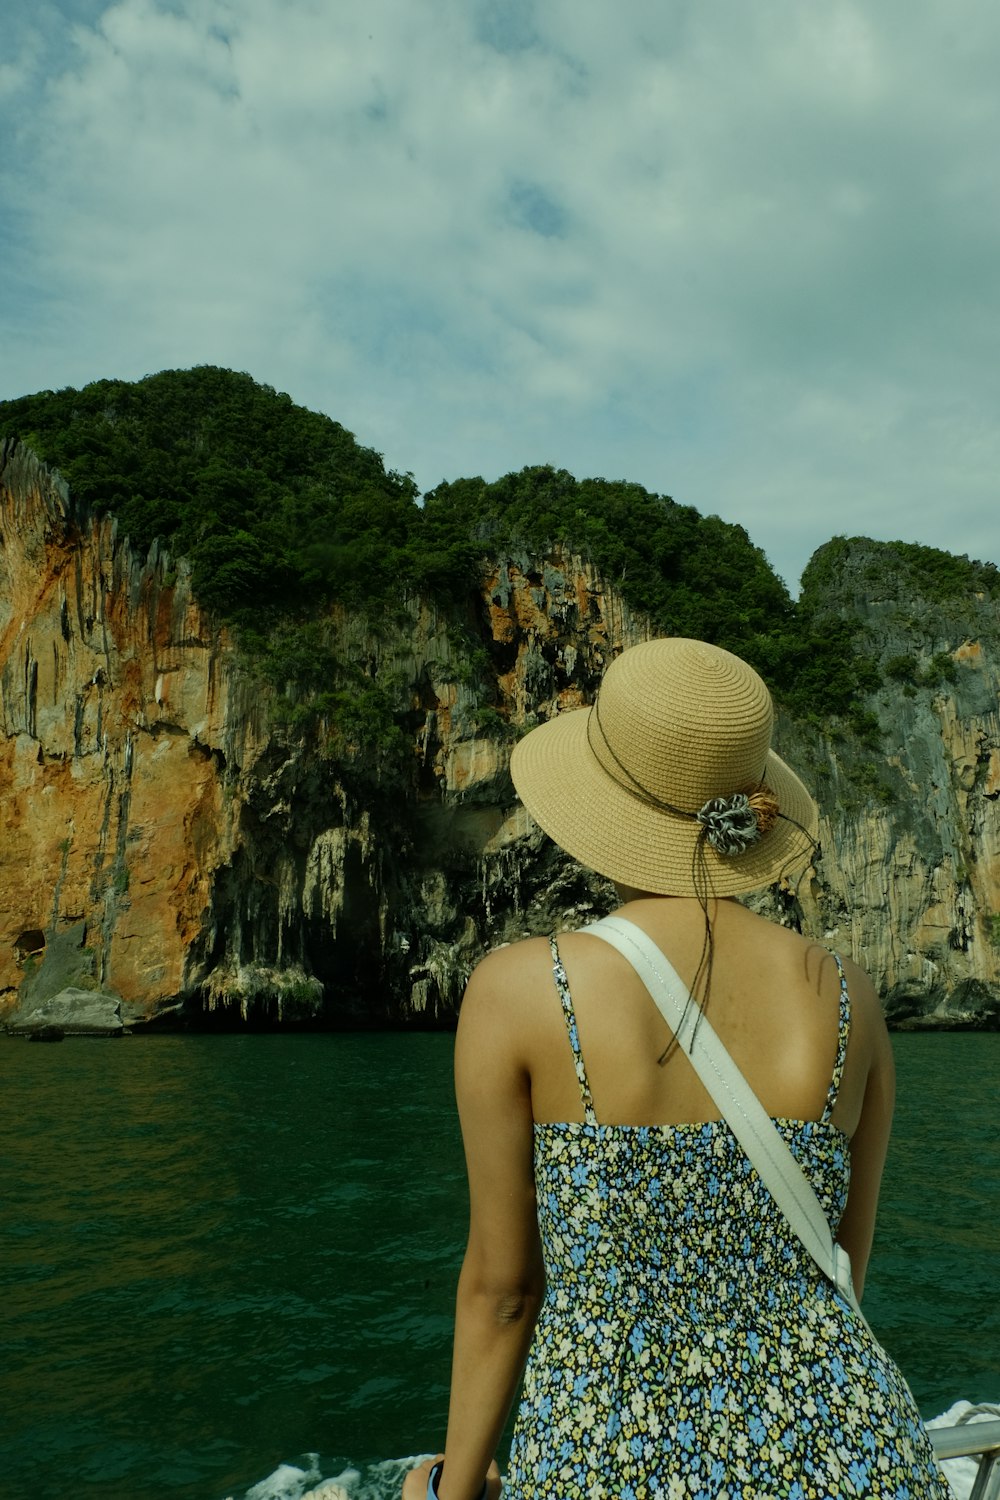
(684, 1343)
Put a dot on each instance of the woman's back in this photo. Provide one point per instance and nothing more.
(773, 999)
(685, 1330)
(629, 1207)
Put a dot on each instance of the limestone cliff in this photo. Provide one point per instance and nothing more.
(167, 841)
(910, 879)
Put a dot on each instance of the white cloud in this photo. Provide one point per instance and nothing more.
(742, 254)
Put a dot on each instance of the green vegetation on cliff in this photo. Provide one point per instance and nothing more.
(279, 511)
(275, 506)
(902, 571)
(691, 574)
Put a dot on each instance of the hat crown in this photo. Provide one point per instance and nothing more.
(683, 720)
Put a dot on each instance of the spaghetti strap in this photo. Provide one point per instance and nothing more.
(562, 988)
(843, 1033)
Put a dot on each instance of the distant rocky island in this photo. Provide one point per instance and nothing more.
(257, 703)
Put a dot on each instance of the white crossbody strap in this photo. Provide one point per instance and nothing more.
(734, 1098)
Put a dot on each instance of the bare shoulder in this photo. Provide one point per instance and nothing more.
(804, 958)
(817, 962)
(859, 984)
(505, 968)
(867, 1017)
(822, 966)
(506, 983)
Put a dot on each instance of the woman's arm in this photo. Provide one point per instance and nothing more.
(502, 1279)
(870, 1140)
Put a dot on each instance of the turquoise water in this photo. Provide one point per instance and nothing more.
(221, 1254)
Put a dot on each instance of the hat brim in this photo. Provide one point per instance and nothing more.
(607, 828)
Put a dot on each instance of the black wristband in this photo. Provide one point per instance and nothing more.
(435, 1475)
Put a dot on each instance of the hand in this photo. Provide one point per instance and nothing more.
(415, 1483)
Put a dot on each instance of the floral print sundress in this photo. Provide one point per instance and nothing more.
(688, 1347)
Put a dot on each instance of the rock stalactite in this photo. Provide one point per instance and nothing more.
(171, 843)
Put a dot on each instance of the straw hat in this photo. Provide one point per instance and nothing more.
(669, 777)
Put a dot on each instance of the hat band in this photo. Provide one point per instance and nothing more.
(731, 824)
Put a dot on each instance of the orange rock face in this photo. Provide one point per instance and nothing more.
(111, 701)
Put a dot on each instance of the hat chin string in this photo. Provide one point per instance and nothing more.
(701, 875)
(731, 824)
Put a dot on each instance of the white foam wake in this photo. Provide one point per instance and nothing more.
(382, 1481)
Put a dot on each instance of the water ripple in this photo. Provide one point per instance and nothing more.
(220, 1251)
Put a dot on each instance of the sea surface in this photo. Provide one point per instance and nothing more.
(227, 1263)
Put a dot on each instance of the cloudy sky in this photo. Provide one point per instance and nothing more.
(744, 252)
